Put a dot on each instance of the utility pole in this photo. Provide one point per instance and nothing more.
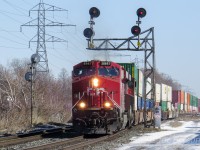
(41, 22)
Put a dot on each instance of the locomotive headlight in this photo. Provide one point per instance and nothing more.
(82, 105)
(95, 82)
(107, 104)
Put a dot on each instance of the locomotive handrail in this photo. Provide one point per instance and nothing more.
(113, 100)
(78, 100)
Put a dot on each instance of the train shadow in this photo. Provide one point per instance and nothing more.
(62, 135)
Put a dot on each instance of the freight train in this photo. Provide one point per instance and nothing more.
(107, 97)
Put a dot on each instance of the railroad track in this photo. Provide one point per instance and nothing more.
(14, 140)
(75, 143)
(24, 138)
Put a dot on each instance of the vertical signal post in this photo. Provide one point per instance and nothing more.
(89, 32)
(135, 30)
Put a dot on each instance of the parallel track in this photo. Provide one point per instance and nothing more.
(9, 141)
(24, 138)
(75, 143)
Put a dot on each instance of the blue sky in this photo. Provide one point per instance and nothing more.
(176, 25)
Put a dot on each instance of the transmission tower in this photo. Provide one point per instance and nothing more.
(41, 22)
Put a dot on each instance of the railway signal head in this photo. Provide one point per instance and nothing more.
(35, 58)
(88, 33)
(135, 30)
(94, 12)
(141, 12)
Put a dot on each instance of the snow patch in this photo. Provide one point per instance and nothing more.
(180, 137)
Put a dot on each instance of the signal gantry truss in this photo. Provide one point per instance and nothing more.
(145, 43)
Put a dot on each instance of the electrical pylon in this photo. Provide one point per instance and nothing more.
(41, 22)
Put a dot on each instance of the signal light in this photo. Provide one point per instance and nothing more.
(141, 12)
(94, 12)
(135, 30)
(88, 32)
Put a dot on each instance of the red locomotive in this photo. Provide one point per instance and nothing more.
(103, 97)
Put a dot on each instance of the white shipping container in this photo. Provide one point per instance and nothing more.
(181, 106)
(191, 108)
(169, 106)
(185, 108)
(173, 108)
(163, 92)
(185, 101)
(135, 103)
(148, 87)
(169, 93)
(158, 94)
(128, 76)
(140, 86)
(195, 109)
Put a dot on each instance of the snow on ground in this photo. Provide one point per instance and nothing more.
(184, 137)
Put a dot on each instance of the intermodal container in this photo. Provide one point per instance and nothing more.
(188, 99)
(164, 106)
(163, 92)
(169, 106)
(147, 104)
(185, 107)
(176, 106)
(132, 69)
(139, 103)
(140, 86)
(157, 104)
(188, 108)
(142, 104)
(182, 106)
(176, 96)
(136, 77)
(179, 106)
(148, 88)
(182, 97)
(151, 104)
(198, 105)
(158, 94)
(173, 107)
(169, 93)
(135, 103)
(185, 98)
(196, 102)
(191, 100)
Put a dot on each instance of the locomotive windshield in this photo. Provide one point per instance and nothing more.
(108, 71)
(84, 72)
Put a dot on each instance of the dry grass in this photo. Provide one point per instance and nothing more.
(175, 124)
(13, 121)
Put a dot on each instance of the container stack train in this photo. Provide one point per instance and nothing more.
(107, 97)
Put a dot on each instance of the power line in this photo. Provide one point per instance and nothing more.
(10, 17)
(2, 11)
(27, 3)
(15, 7)
(12, 41)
